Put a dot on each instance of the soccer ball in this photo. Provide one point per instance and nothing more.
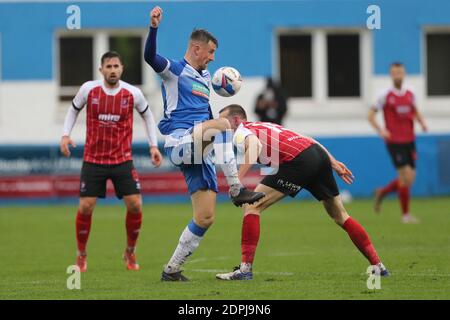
(226, 81)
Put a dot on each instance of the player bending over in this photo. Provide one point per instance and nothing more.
(189, 127)
(109, 103)
(302, 163)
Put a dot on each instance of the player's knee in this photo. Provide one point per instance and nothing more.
(134, 206)
(205, 220)
(86, 207)
(340, 219)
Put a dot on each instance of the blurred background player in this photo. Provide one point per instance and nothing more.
(398, 104)
(189, 127)
(271, 105)
(302, 163)
(107, 153)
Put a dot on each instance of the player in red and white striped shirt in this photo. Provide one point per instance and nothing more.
(110, 104)
(400, 111)
(299, 162)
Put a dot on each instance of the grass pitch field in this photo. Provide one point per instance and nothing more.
(302, 254)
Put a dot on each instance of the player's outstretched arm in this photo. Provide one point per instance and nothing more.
(157, 62)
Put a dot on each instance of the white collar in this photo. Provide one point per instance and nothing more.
(400, 92)
(111, 91)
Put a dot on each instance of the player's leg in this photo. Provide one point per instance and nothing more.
(83, 228)
(203, 204)
(406, 177)
(92, 185)
(127, 186)
(392, 186)
(381, 193)
(324, 188)
(251, 232)
(355, 231)
(133, 222)
(202, 185)
(219, 130)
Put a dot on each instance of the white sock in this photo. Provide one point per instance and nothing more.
(245, 267)
(186, 246)
(225, 158)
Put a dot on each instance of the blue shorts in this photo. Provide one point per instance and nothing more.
(198, 176)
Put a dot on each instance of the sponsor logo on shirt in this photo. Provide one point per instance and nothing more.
(403, 109)
(200, 90)
(109, 117)
(95, 101)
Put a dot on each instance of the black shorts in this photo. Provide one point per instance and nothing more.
(310, 170)
(402, 154)
(94, 176)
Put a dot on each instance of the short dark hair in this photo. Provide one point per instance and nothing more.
(235, 110)
(111, 54)
(203, 36)
(397, 64)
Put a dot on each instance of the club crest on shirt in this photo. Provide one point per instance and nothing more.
(124, 102)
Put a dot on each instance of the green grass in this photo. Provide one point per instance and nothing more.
(302, 254)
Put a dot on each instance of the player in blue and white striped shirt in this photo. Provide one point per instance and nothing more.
(189, 128)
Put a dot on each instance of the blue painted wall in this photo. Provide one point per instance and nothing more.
(245, 29)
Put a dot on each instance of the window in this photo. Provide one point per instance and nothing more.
(295, 65)
(322, 64)
(438, 64)
(79, 58)
(343, 65)
(130, 49)
(75, 63)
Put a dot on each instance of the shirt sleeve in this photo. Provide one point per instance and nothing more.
(381, 101)
(414, 100)
(157, 62)
(80, 99)
(69, 121)
(239, 138)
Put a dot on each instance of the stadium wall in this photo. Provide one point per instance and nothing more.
(30, 111)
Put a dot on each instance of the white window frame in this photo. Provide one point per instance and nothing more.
(341, 106)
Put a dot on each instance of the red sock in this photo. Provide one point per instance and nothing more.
(83, 227)
(390, 187)
(250, 237)
(133, 225)
(361, 240)
(403, 196)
